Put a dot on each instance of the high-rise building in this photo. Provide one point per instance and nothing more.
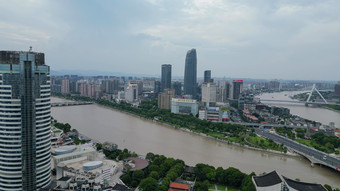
(337, 89)
(273, 85)
(166, 77)
(221, 94)
(56, 85)
(157, 87)
(207, 76)
(177, 86)
(164, 99)
(190, 74)
(237, 88)
(25, 156)
(65, 86)
(131, 92)
(209, 94)
(227, 90)
(90, 90)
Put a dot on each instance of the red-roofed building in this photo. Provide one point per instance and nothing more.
(174, 186)
(246, 111)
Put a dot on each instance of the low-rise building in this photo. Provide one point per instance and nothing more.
(268, 182)
(214, 114)
(184, 106)
(293, 185)
(273, 182)
(174, 186)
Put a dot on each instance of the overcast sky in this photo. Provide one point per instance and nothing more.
(239, 39)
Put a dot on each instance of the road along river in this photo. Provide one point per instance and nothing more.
(143, 136)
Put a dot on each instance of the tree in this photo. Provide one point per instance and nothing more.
(148, 184)
(154, 174)
(328, 187)
(137, 175)
(247, 184)
(149, 156)
(153, 167)
(126, 178)
(234, 177)
(202, 186)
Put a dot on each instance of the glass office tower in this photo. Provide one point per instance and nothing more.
(190, 74)
(25, 115)
(166, 77)
(207, 76)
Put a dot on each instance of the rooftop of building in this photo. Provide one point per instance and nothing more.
(184, 100)
(180, 186)
(268, 179)
(76, 150)
(65, 178)
(303, 186)
(78, 166)
(121, 187)
(13, 57)
(134, 163)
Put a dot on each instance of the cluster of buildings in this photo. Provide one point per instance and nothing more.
(196, 97)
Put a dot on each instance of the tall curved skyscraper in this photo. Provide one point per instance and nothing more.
(190, 74)
(25, 116)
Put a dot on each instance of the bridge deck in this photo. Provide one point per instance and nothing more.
(312, 154)
(60, 104)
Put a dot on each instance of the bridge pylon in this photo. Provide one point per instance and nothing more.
(311, 93)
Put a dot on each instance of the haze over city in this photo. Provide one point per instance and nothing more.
(253, 39)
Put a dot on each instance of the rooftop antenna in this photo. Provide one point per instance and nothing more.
(30, 49)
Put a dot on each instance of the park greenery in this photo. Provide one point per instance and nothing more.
(63, 126)
(162, 170)
(319, 141)
(67, 128)
(117, 154)
(334, 107)
(222, 131)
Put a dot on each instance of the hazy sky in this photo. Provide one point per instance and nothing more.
(254, 39)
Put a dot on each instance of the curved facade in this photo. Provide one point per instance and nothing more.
(24, 121)
(190, 74)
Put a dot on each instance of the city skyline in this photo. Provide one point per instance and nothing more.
(268, 40)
